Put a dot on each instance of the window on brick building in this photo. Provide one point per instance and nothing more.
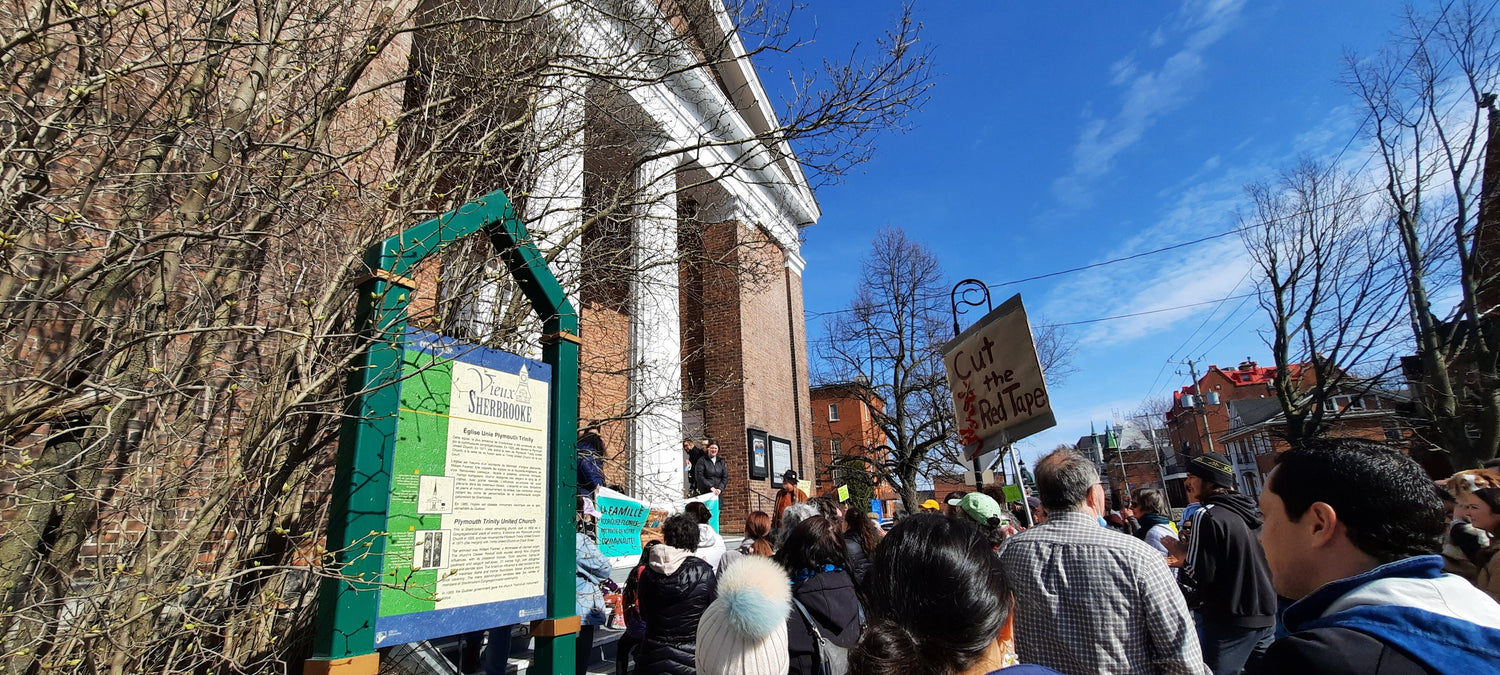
(835, 446)
(1344, 402)
(833, 412)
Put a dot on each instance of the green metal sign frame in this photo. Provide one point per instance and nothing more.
(344, 641)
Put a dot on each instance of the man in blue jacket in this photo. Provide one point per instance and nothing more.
(1351, 532)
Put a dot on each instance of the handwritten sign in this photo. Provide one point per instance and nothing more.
(999, 392)
(843, 493)
(620, 521)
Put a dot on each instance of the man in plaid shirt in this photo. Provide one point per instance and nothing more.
(1090, 599)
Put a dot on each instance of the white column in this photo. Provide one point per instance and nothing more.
(551, 208)
(655, 338)
(554, 205)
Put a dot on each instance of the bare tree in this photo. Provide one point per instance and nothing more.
(187, 192)
(1329, 286)
(1055, 348)
(1430, 99)
(891, 338)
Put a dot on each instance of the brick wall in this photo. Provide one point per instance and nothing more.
(745, 348)
(853, 429)
(604, 383)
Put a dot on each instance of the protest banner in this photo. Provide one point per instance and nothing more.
(624, 519)
(999, 391)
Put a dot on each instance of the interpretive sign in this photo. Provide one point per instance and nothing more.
(759, 460)
(781, 454)
(468, 507)
(999, 392)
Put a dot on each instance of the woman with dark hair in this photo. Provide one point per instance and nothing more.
(860, 539)
(674, 590)
(937, 604)
(824, 602)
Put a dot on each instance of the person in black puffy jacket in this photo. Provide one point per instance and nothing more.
(860, 539)
(674, 590)
(813, 557)
(709, 472)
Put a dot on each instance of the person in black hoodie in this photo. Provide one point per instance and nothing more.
(813, 556)
(1224, 562)
(674, 591)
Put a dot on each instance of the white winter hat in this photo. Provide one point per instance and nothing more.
(744, 631)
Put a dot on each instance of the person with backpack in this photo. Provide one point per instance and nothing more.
(827, 614)
(635, 624)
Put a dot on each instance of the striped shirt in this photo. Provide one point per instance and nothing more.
(1093, 600)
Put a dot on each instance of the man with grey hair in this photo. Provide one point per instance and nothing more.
(793, 515)
(1089, 599)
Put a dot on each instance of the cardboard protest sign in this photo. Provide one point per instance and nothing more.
(999, 392)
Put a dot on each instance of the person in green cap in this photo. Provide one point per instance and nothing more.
(985, 512)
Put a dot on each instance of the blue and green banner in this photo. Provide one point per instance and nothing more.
(622, 519)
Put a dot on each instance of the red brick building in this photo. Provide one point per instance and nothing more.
(842, 426)
(1129, 456)
(1209, 398)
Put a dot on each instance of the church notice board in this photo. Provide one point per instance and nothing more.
(468, 506)
(999, 392)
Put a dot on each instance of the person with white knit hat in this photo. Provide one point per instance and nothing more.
(744, 631)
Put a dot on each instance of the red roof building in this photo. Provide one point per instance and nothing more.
(1208, 400)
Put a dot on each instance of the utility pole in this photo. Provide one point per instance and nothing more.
(1155, 448)
(1208, 435)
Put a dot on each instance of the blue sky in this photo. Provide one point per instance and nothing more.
(1064, 134)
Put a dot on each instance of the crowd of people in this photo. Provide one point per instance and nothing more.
(1339, 567)
(1351, 561)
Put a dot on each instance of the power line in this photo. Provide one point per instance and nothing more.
(1369, 115)
(1210, 316)
(1231, 332)
(1149, 311)
(1222, 323)
(1134, 256)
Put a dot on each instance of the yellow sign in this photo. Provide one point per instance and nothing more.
(843, 493)
(999, 392)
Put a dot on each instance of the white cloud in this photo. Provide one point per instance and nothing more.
(1148, 94)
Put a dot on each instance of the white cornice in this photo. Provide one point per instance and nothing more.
(693, 111)
(795, 262)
